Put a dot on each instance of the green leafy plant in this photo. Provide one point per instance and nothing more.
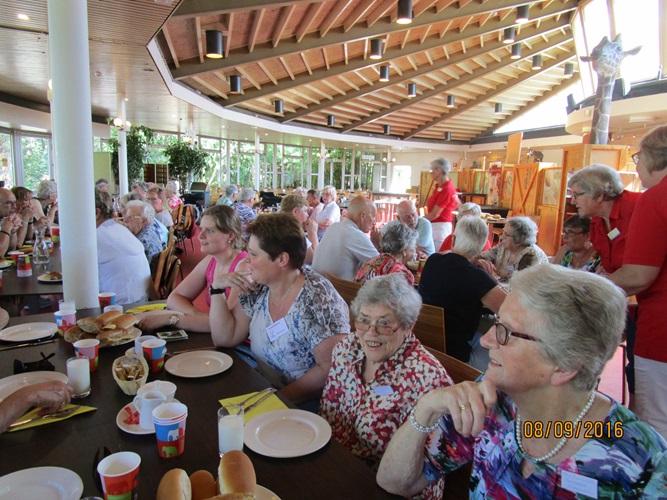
(137, 139)
(184, 160)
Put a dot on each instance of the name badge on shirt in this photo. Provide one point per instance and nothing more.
(613, 234)
(509, 267)
(579, 484)
(439, 189)
(383, 390)
(277, 330)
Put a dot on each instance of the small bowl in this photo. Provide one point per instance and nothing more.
(130, 387)
(413, 265)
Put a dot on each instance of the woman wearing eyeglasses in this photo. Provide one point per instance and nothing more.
(535, 427)
(578, 252)
(380, 371)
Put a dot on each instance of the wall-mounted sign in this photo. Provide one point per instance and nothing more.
(370, 157)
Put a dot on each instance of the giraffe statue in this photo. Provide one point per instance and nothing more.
(606, 58)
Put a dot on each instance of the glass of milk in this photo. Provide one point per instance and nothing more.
(78, 375)
(230, 428)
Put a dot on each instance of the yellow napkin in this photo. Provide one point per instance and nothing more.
(147, 307)
(271, 403)
(35, 413)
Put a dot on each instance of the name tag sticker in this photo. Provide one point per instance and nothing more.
(579, 484)
(383, 390)
(439, 189)
(509, 267)
(277, 330)
(613, 234)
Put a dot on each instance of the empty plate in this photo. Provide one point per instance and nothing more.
(198, 364)
(28, 331)
(45, 483)
(13, 383)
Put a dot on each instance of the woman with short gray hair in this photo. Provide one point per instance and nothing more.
(45, 201)
(398, 247)
(330, 213)
(516, 251)
(231, 193)
(171, 191)
(244, 208)
(442, 202)
(379, 372)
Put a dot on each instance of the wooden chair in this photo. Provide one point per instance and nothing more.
(177, 214)
(183, 227)
(458, 370)
(169, 282)
(430, 327)
(158, 268)
(346, 289)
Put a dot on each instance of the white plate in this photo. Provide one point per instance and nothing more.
(286, 433)
(5, 263)
(45, 483)
(13, 383)
(41, 278)
(266, 494)
(28, 331)
(198, 364)
(133, 428)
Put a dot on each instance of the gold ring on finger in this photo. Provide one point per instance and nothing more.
(464, 406)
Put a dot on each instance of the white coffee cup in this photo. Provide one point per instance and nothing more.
(163, 386)
(145, 404)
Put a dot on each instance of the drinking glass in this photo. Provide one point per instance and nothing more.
(78, 375)
(230, 428)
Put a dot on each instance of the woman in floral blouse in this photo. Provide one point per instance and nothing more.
(380, 371)
(535, 427)
(399, 243)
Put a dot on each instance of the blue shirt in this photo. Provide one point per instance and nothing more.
(150, 239)
(425, 234)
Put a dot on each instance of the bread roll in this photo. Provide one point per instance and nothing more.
(73, 334)
(175, 485)
(115, 335)
(236, 474)
(203, 485)
(108, 316)
(90, 325)
(125, 320)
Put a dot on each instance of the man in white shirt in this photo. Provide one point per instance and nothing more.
(406, 213)
(330, 213)
(157, 197)
(345, 246)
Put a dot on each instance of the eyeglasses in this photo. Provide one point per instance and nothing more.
(570, 234)
(503, 333)
(363, 326)
(576, 195)
(635, 157)
(152, 199)
(134, 217)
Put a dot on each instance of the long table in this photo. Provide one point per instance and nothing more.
(332, 472)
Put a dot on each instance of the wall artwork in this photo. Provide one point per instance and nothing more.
(551, 186)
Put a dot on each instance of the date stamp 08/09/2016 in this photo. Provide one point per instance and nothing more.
(566, 429)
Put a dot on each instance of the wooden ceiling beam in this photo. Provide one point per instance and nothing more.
(247, 76)
(305, 62)
(254, 31)
(308, 19)
(195, 8)
(200, 50)
(268, 73)
(230, 24)
(362, 8)
(285, 15)
(170, 45)
(332, 17)
(380, 11)
(210, 87)
(287, 68)
(312, 41)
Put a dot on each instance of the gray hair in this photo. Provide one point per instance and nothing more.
(231, 190)
(246, 194)
(525, 230)
(141, 185)
(653, 149)
(45, 189)
(598, 180)
(330, 190)
(147, 209)
(442, 164)
(128, 197)
(101, 181)
(580, 318)
(394, 292)
(398, 238)
(301, 191)
(172, 186)
(471, 234)
(315, 193)
(470, 207)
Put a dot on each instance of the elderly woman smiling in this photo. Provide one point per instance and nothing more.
(398, 246)
(380, 371)
(535, 427)
(516, 251)
(578, 252)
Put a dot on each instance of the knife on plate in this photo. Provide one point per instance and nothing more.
(26, 344)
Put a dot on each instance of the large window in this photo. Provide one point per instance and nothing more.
(6, 160)
(35, 153)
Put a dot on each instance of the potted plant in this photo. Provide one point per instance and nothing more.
(185, 160)
(137, 140)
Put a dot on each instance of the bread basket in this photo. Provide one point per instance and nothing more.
(130, 387)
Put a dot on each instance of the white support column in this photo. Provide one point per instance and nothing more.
(274, 176)
(354, 155)
(123, 184)
(320, 168)
(228, 162)
(70, 67)
(309, 166)
(257, 146)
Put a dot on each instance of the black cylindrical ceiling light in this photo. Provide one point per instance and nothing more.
(412, 90)
(404, 12)
(571, 103)
(214, 46)
(537, 61)
(516, 51)
(448, 136)
(569, 69)
(522, 14)
(450, 101)
(509, 34)
(384, 73)
(498, 108)
(331, 120)
(235, 84)
(387, 129)
(376, 48)
(278, 106)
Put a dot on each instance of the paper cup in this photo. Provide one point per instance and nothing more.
(119, 473)
(145, 402)
(169, 420)
(88, 348)
(65, 320)
(55, 234)
(15, 254)
(138, 341)
(66, 306)
(115, 307)
(106, 299)
(154, 351)
(166, 388)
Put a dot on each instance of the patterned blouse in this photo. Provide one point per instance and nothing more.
(591, 265)
(318, 312)
(528, 257)
(151, 240)
(381, 265)
(247, 216)
(632, 466)
(363, 416)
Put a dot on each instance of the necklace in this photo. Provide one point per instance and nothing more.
(577, 263)
(286, 294)
(561, 443)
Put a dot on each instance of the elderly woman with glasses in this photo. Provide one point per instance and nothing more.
(380, 371)
(578, 252)
(535, 427)
(516, 251)
(398, 247)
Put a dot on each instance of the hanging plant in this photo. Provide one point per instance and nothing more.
(185, 160)
(137, 140)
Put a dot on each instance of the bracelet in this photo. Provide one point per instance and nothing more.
(3, 231)
(419, 427)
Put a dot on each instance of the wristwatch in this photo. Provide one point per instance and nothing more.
(215, 291)
(174, 319)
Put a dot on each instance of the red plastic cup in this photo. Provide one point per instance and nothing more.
(119, 473)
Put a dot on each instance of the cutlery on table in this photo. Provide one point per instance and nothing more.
(252, 396)
(268, 394)
(26, 344)
(56, 414)
(209, 348)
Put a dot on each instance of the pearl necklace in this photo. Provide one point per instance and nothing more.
(561, 443)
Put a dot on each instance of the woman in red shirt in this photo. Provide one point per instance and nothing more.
(442, 202)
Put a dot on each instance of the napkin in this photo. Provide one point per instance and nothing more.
(36, 413)
(271, 403)
(147, 307)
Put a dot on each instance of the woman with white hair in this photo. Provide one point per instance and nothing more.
(516, 251)
(330, 212)
(442, 202)
(464, 210)
(398, 246)
(379, 372)
(535, 427)
(171, 190)
(231, 192)
(243, 207)
(45, 201)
